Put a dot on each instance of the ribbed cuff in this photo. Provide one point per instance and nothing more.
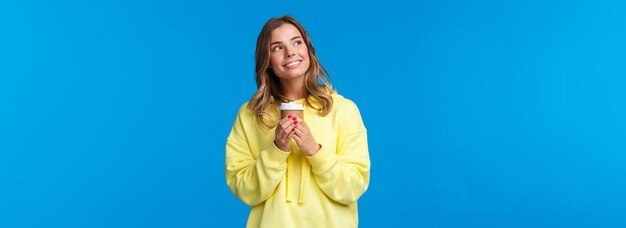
(322, 159)
(275, 157)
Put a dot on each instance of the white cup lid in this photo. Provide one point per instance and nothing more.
(291, 106)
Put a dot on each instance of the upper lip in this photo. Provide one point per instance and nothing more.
(292, 62)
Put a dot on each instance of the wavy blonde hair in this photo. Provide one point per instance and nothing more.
(269, 93)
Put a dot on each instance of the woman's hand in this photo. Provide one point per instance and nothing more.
(284, 133)
(304, 139)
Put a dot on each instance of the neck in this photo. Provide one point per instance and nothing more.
(293, 89)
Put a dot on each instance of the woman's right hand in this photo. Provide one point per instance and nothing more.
(284, 133)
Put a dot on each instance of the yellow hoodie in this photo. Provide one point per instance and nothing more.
(290, 189)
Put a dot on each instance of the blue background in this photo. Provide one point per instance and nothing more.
(479, 113)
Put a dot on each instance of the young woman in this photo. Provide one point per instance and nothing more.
(296, 172)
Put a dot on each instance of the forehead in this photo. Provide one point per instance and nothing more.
(284, 33)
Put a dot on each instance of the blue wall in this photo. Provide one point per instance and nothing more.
(480, 113)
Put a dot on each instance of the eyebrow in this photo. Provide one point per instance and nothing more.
(278, 42)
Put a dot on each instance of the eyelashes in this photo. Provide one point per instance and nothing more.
(278, 48)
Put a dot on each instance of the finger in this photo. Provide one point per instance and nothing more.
(286, 118)
(287, 137)
(285, 125)
(300, 125)
(280, 133)
(283, 135)
(292, 117)
(302, 129)
(291, 135)
(292, 129)
(300, 133)
(297, 138)
(303, 124)
(289, 130)
(290, 122)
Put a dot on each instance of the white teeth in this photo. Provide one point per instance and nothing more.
(292, 63)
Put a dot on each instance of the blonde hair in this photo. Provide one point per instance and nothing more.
(269, 94)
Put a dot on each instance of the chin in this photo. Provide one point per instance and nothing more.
(293, 74)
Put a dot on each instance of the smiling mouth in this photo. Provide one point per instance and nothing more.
(293, 65)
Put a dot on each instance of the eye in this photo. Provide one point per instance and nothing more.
(297, 43)
(277, 48)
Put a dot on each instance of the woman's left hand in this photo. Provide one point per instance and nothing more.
(304, 139)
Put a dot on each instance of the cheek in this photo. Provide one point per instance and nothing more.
(306, 56)
(274, 61)
(305, 53)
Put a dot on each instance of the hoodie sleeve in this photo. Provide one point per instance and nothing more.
(343, 173)
(252, 178)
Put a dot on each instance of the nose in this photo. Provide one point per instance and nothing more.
(290, 52)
